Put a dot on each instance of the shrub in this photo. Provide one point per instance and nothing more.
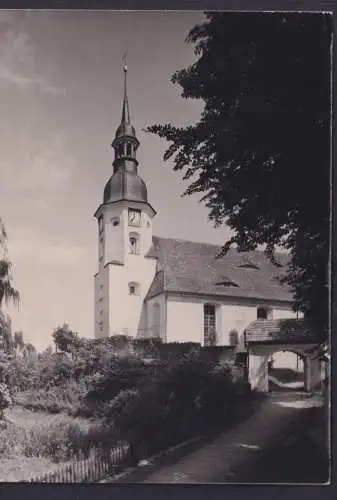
(184, 399)
(54, 399)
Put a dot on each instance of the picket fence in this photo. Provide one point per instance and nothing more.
(90, 470)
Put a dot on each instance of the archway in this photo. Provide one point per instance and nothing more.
(286, 371)
(263, 338)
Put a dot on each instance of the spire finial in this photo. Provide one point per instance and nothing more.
(126, 111)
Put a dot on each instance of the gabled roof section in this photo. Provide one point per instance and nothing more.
(193, 268)
(279, 331)
(157, 286)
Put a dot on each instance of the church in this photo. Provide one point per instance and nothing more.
(148, 286)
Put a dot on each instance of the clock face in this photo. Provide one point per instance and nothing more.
(134, 217)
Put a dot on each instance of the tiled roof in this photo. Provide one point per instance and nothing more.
(190, 267)
(279, 330)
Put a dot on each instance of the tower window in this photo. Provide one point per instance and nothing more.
(134, 288)
(128, 149)
(134, 243)
(100, 223)
(119, 150)
(264, 313)
(115, 221)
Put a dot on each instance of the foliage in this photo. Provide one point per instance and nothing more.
(5, 333)
(181, 400)
(59, 439)
(64, 338)
(56, 399)
(260, 154)
(7, 291)
(5, 398)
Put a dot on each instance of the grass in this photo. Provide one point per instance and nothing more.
(33, 443)
(65, 398)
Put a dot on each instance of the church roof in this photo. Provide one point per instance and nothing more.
(278, 331)
(192, 268)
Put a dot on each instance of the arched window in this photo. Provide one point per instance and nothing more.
(119, 150)
(209, 325)
(233, 338)
(156, 320)
(264, 312)
(134, 243)
(100, 224)
(128, 149)
(134, 288)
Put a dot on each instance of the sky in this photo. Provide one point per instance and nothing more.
(61, 89)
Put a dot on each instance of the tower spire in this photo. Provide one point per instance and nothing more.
(126, 110)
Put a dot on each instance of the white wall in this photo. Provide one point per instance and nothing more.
(185, 316)
(184, 320)
(123, 313)
(102, 302)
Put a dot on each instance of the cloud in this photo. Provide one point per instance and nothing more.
(18, 64)
(40, 168)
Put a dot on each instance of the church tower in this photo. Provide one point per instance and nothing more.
(124, 238)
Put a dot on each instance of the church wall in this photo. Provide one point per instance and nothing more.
(123, 313)
(114, 235)
(185, 317)
(127, 312)
(185, 320)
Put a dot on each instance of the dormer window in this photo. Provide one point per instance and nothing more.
(249, 265)
(225, 281)
(134, 243)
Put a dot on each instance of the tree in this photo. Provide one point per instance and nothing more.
(31, 351)
(260, 153)
(64, 338)
(7, 290)
(18, 340)
(6, 332)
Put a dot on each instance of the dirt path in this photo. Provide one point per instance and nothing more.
(223, 456)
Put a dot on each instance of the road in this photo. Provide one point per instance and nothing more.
(255, 451)
(298, 457)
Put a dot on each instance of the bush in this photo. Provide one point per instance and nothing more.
(184, 399)
(54, 399)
